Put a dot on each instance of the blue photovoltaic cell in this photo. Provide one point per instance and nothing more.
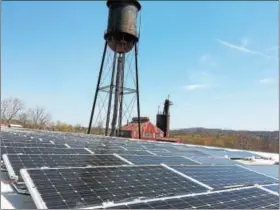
(214, 161)
(269, 170)
(145, 160)
(85, 187)
(220, 176)
(214, 152)
(187, 153)
(35, 144)
(252, 198)
(229, 153)
(18, 162)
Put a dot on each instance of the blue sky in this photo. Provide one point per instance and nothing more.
(217, 60)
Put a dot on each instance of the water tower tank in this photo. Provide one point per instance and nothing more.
(121, 33)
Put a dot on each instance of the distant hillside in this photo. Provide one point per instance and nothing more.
(266, 141)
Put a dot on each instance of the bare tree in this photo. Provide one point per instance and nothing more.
(78, 128)
(39, 117)
(10, 108)
(24, 118)
(99, 128)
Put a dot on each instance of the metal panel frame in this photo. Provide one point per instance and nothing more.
(106, 205)
(10, 170)
(188, 177)
(40, 204)
(13, 175)
(123, 159)
(87, 149)
(226, 187)
(123, 148)
(154, 154)
(256, 172)
(112, 166)
(267, 190)
(192, 160)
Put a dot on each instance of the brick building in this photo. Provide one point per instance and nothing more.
(148, 131)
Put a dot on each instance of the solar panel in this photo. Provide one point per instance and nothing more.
(274, 188)
(145, 160)
(24, 140)
(42, 150)
(81, 187)
(151, 146)
(134, 147)
(221, 176)
(31, 140)
(213, 160)
(269, 170)
(18, 162)
(240, 154)
(82, 145)
(214, 152)
(159, 150)
(181, 148)
(229, 153)
(248, 198)
(189, 153)
(105, 147)
(24, 144)
(120, 151)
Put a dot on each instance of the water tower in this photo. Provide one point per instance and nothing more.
(121, 51)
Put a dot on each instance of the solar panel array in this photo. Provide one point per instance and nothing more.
(220, 177)
(42, 150)
(236, 199)
(78, 185)
(144, 160)
(65, 171)
(37, 161)
(213, 160)
(269, 170)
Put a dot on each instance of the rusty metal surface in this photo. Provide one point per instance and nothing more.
(134, 2)
(121, 33)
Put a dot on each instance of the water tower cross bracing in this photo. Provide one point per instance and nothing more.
(120, 50)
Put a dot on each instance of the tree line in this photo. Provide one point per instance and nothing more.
(14, 111)
(231, 139)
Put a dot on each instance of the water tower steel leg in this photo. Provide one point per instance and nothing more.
(121, 94)
(110, 94)
(137, 90)
(97, 88)
(117, 94)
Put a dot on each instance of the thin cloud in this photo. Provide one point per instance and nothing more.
(195, 86)
(244, 42)
(207, 59)
(267, 80)
(242, 48)
(272, 49)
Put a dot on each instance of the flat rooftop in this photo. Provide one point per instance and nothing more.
(127, 150)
